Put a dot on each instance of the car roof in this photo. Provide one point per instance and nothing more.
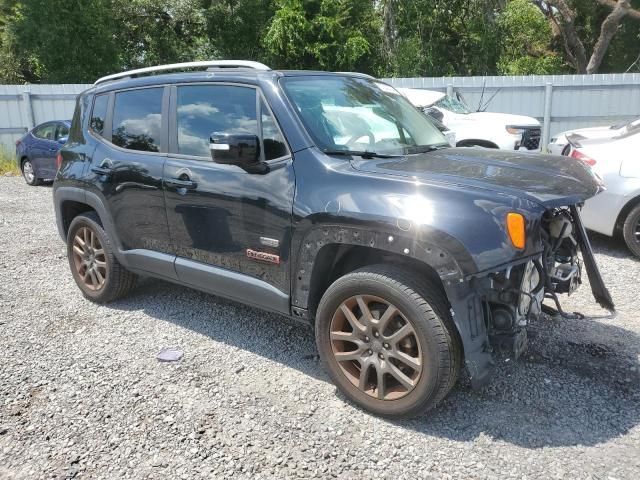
(420, 97)
(249, 76)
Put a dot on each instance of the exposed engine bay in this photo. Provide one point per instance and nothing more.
(516, 295)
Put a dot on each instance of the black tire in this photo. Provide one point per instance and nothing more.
(118, 281)
(29, 173)
(422, 303)
(631, 230)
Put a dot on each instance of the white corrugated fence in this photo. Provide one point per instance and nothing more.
(561, 102)
(24, 106)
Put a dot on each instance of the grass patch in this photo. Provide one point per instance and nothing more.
(8, 164)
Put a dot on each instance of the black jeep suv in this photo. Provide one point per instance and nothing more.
(326, 197)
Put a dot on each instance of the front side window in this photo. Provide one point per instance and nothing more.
(99, 114)
(206, 109)
(137, 119)
(62, 131)
(355, 114)
(46, 132)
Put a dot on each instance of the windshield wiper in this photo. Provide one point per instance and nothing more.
(360, 153)
(427, 148)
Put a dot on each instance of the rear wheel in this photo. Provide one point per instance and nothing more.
(387, 340)
(631, 231)
(96, 270)
(29, 173)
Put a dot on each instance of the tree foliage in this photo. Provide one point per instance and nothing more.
(80, 40)
(526, 41)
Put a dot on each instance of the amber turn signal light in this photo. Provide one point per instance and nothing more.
(515, 227)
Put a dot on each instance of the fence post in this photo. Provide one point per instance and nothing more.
(28, 110)
(546, 125)
(450, 89)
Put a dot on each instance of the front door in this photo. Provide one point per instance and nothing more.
(44, 150)
(221, 215)
(127, 166)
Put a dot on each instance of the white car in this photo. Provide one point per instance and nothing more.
(483, 129)
(617, 163)
(559, 145)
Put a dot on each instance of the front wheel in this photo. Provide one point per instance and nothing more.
(387, 340)
(631, 231)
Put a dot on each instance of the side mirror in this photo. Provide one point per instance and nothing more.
(63, 140)
(241, 149)
(434, 112)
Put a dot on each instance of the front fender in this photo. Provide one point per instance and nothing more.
(443, 253)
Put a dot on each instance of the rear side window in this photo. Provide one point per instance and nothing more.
(137, 119)
(204, 109)
(99, 114)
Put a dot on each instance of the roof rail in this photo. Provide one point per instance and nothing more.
(185, 66)
(358, 74)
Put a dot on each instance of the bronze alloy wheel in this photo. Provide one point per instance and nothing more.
(376, 347)
(89, 259)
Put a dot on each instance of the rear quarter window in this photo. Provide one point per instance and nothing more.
(99, 114)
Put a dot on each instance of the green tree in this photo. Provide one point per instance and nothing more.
(526, 41)
(437, 37)
(64, 41)
(235, 28)
(152, 32)
(325, 34)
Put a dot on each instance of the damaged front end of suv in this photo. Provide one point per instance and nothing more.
(514, 235)
(550, 252)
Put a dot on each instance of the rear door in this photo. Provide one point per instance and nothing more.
(128, 162)
(227, 217)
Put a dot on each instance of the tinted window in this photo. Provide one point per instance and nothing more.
(274, 144)
(204, 109)
(46, 132)
(62, 131)
(99, 114)
(137, 118)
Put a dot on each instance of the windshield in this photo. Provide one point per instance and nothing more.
(453, 105)
(357, 114)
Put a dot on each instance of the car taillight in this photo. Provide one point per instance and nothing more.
(58, 160)
(577, 154)
(18, 142)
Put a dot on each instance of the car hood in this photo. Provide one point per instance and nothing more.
(546, 179)
(505, 119)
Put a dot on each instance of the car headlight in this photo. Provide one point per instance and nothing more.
(515, 130)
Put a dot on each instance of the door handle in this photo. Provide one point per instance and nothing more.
(105, 167)
(181, 183)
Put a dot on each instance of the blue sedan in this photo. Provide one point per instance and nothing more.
(36, 151)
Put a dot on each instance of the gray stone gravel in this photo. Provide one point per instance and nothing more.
(82, 394)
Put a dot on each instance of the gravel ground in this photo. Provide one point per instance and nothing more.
(82, 394)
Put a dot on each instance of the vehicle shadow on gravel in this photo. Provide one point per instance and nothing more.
(577, 385)
(568, 390)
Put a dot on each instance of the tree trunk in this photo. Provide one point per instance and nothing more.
(572, 43)
(608, 30)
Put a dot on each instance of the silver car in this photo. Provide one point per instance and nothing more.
(617, 162)
(559, 145)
